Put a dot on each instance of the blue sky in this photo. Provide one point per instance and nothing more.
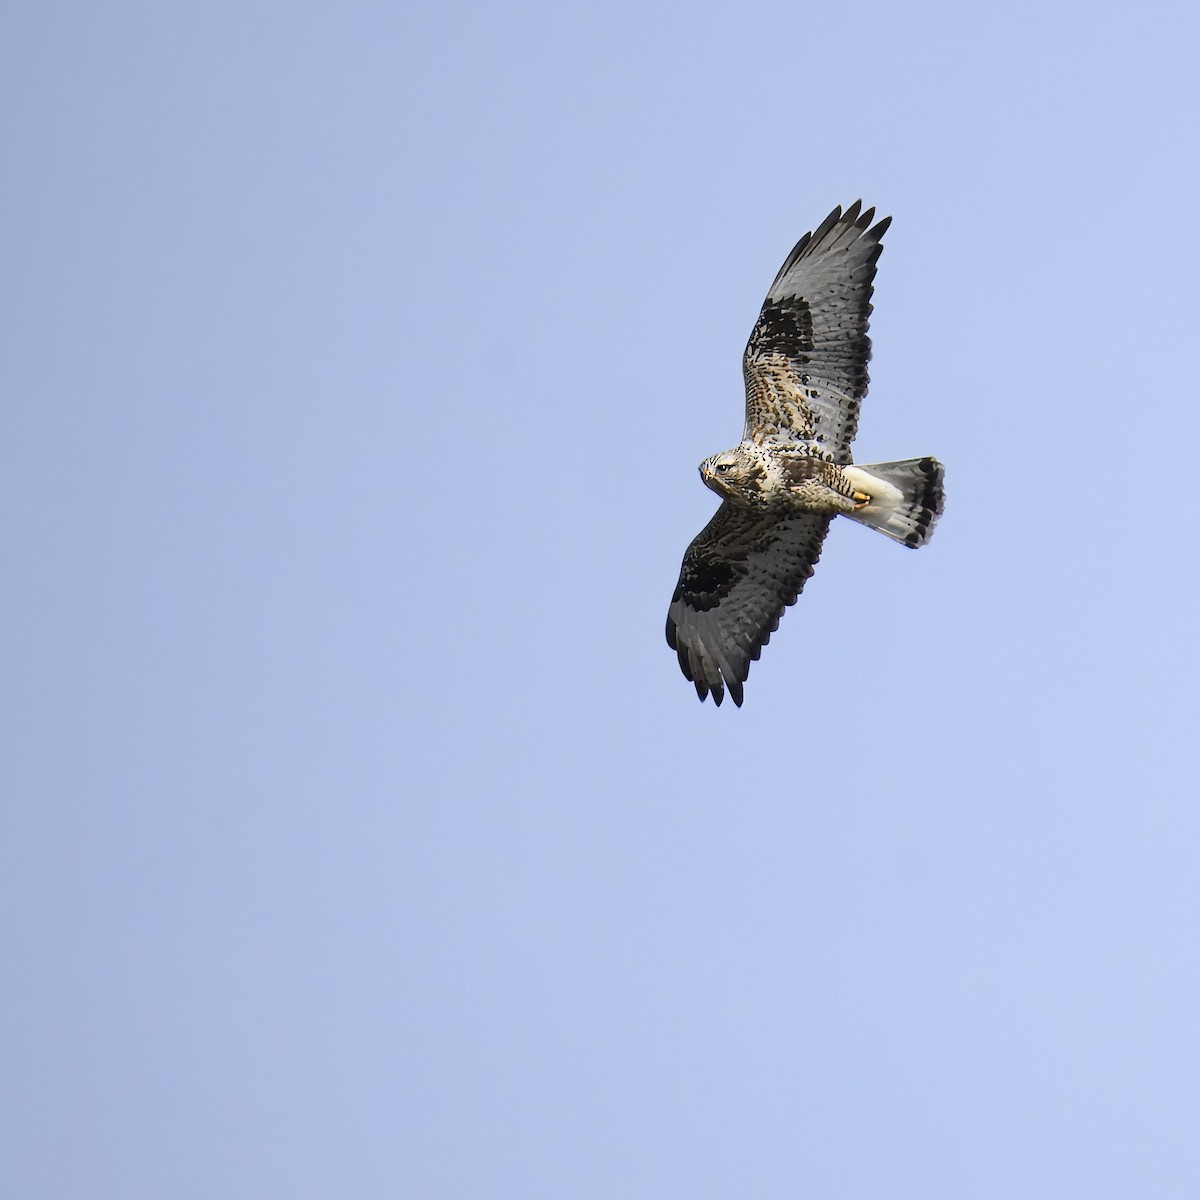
(360, 835)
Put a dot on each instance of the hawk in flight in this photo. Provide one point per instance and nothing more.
(806, 375)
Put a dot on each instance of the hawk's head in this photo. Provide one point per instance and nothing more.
(733, 474)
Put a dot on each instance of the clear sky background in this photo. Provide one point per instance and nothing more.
(360, 834)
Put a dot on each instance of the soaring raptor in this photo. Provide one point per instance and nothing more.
(806, 375)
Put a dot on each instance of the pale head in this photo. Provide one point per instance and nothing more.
(731, 473)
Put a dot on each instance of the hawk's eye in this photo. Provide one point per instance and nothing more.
(722, 468)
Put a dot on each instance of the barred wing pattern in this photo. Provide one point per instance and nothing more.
(806, 362)
(738, 576)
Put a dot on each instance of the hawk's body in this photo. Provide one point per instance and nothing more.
(806, 374)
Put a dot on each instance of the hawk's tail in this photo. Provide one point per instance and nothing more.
(906, 498)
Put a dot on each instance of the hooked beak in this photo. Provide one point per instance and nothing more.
(713, 480)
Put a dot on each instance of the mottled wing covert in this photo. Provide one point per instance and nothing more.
(806, 362)
(738, 576)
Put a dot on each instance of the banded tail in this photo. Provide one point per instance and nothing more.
(906, 498)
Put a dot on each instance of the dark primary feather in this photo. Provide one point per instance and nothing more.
(738, 576)
(805, 364)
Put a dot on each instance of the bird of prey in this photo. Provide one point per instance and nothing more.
(805, 368)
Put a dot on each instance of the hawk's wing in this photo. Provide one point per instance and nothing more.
(738, 576)
(806, 361)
